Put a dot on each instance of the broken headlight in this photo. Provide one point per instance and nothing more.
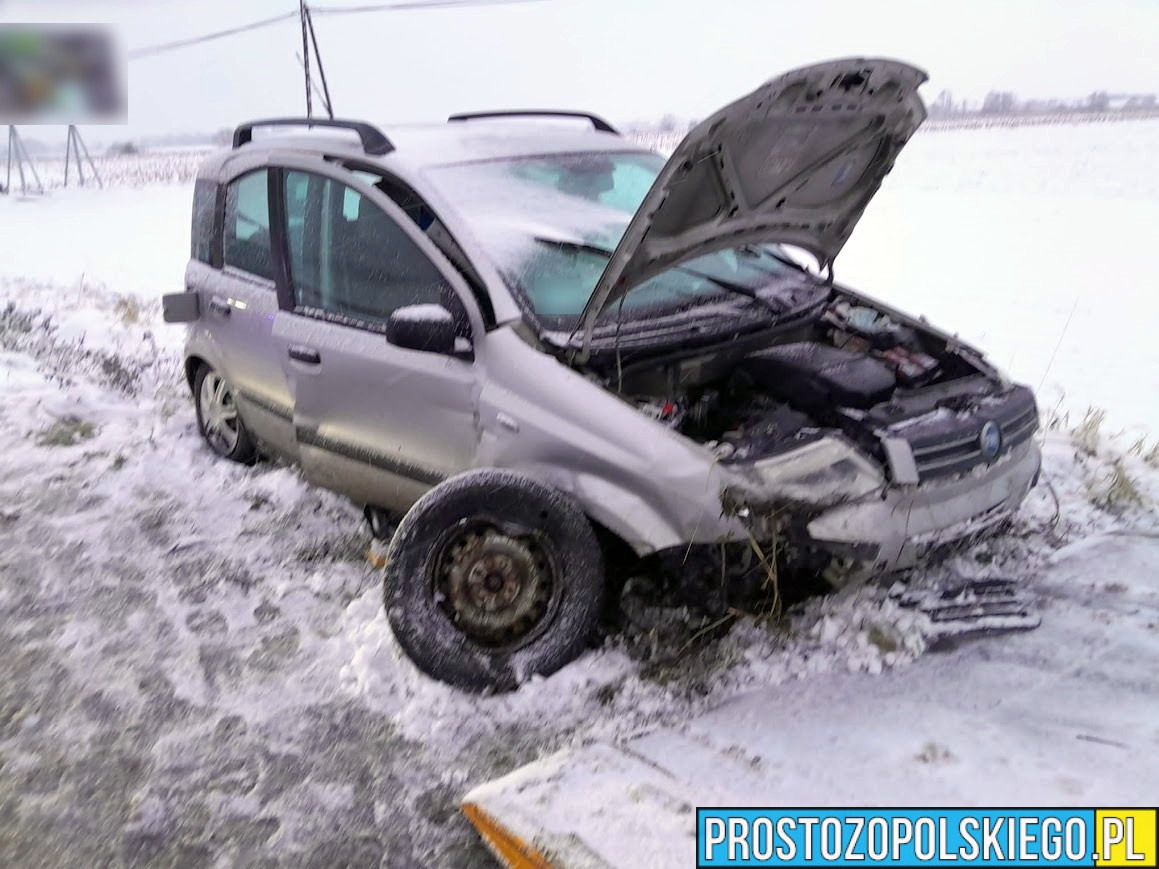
(825, 471)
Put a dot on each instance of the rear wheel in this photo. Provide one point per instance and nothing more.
(218, 419)
(492, 578)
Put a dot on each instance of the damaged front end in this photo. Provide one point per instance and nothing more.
(855, 443)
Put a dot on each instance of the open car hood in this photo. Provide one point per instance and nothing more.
(796, 161)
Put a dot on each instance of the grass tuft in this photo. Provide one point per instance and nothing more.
(884, 638)
(1149, 454)
(1119, 491)
(1088, 433)
(67, 431)
(128, 310)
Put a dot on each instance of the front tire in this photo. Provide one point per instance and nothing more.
(492, 578)
(218, 418)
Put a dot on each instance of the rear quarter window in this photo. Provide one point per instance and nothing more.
(204, 212)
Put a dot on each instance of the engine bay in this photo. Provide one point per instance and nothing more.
(851, 368)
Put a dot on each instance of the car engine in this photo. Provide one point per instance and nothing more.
(853, 369)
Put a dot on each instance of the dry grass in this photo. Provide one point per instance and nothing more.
(1055, 419)
(884, 638)
(1089, 433)
(1118, 491)
(67, 431)
(1148, 453)
(127, 310)
(1115, 490)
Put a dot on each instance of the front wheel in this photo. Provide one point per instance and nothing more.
(492, 578)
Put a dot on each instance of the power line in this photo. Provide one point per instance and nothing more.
(165, 47)
(409, 4)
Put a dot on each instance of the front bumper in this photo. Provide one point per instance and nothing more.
(896, 530)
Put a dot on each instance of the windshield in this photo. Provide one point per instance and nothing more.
(551, 222)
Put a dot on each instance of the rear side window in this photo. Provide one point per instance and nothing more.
(204, 205)
(247, 225)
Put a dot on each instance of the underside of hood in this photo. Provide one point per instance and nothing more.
(796, 161)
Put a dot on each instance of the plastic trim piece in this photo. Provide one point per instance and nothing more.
(374, 141)
(599, 123)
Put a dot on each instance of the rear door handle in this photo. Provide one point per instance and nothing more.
(219, 306)
(305, 354)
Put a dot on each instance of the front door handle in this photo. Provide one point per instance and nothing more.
(219, 306)
(305, 354)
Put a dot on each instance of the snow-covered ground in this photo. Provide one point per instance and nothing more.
(1061, 716)
(196, 666)
(1035, 243)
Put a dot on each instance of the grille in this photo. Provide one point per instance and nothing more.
(955, 446)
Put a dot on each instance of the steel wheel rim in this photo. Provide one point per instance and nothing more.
(496, 583)
(219, 421)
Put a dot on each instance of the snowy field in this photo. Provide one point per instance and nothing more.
(196, 667)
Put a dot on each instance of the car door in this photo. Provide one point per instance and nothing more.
(240, 301)
(380, 423)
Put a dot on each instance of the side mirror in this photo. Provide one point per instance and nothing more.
(430, 328)
(180, 307)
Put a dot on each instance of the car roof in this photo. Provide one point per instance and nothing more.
(418, 147)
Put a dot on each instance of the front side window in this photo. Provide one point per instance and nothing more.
(247, 225)
(349, 258)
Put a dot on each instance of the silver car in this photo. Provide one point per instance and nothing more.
(565, 360)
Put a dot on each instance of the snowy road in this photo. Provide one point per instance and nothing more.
(194, 663)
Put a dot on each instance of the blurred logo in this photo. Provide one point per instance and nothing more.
(60, 74)
(990, 439)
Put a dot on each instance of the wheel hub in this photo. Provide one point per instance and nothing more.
(218, 413)
(494, 587)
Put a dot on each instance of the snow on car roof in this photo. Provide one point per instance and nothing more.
(460, 142)
(423, 146)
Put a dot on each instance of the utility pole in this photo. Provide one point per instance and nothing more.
(76, 145)
(306, 56)
(17, 152)
(318, 57)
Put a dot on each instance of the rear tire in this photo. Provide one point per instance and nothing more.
(492, 578)
(218, 417)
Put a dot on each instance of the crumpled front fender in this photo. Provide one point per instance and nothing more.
(646, 524)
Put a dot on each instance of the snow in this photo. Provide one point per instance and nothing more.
(1061, 716)
(1035, 244)
(198, 667)
(423, 314)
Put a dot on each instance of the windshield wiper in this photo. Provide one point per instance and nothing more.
(723, 283)
(759, 251)
(580, 246)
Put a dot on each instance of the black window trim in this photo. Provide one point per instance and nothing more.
(279, 238)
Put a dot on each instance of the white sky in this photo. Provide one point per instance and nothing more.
(626, 59)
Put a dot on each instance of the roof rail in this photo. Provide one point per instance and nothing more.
(596, 121)
(374, 141)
